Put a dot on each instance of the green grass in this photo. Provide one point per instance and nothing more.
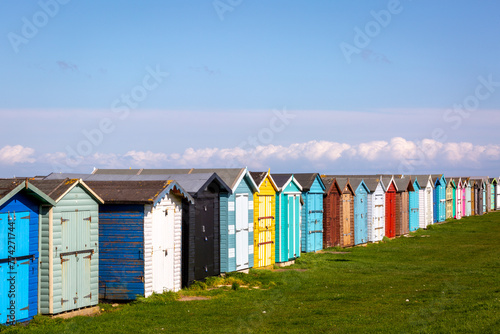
(442, 280)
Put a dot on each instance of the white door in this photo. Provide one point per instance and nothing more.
(378, 217)
(241, 231)
(163, 248)
(428, 207)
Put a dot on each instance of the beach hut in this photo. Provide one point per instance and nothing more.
(468, 196)
(360, 210)
(288, 211)
(451, 189)
(264, 220)
(478, 196)
(497, 195)
(486, 196)
(331, 212)
(414, 203)
(492, 194)
(69, 246)
(426, 206)
(20, 203)
(459, 205)
(347, 228)
(313, 190)
(390, 209)
(473, 197)
(140, 237)
(404, 186)
(439, 198)
(376, 208)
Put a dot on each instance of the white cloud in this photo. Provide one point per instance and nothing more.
(398, 155)
(10, 155)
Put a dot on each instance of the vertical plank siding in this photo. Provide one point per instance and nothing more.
(27, 256)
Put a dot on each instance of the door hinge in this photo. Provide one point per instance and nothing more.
(88, 296)
(88, 218)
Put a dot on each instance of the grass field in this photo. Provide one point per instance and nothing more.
(442, 280)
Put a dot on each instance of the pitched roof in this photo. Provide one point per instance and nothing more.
(258, 177)
(281, 179)
(136, 192)
(306, 180)
(10, 187)
(330, 181)
(56, 189)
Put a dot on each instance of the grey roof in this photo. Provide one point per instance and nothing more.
(327, 181)
(191, 183)
(281, 179)
(342, 182)
(403, 184)
(229, 175)
(10, 187)
(306, 180)
(372, 182)
(117, 171)
(258, 177)
(63, 176)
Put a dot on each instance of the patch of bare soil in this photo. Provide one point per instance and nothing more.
(191, 298)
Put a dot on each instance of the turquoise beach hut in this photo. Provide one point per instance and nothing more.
(288, 211)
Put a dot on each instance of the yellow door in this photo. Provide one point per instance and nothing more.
(265, 224)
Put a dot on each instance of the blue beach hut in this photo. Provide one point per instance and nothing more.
(20, 203)
(313, 190)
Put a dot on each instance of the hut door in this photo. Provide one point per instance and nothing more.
(265, 228)
(378, 217)
(14, 291)
(163, 240)
(346, 224)
(242, 261)
(428, 207)
(390, 225)
(293, 221)
(76, 258)
(204, 239)
(315, 214)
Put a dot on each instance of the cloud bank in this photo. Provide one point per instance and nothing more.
(397, 155)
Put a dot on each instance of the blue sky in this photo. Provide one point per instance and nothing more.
(327, 86)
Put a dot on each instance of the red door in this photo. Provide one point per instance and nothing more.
(390, 212)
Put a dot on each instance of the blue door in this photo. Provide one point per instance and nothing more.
(14, 291)
(4, 288)
(360, 219)
(414, 211)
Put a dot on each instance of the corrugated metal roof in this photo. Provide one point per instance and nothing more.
(230, 176)
(62, 176)
(191, 183)
(117, 171)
